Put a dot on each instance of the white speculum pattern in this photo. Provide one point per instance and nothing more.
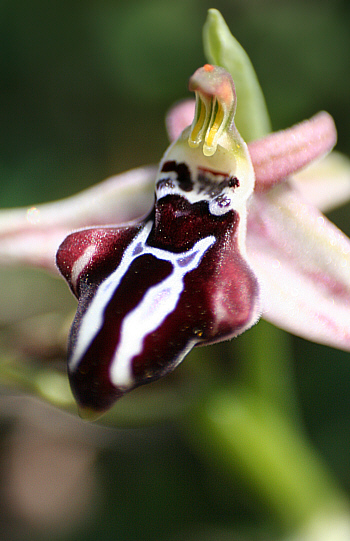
(158, 302)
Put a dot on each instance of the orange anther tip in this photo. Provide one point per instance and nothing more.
(208, 67)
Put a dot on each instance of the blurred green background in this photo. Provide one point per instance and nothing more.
(84, 88)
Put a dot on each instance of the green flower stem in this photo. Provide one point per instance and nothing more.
(252, 440)
(45, 383)
(266, 366)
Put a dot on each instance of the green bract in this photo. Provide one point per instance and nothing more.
(222, 49)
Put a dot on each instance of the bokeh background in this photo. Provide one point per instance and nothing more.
(84, 88)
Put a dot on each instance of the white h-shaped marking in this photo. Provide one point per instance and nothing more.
(158, 302)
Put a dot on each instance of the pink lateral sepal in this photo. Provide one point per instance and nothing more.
(302, 262)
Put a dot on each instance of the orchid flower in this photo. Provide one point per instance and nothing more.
(228, 239)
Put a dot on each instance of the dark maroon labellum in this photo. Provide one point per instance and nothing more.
(176, 281)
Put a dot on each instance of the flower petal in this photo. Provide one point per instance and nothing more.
(325, 184)
(32, 235)
(282, 153)
(303, 264)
